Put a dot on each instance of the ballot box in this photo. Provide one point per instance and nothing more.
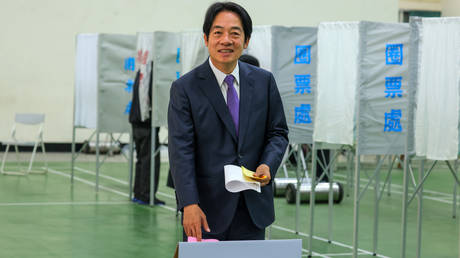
(291, 248)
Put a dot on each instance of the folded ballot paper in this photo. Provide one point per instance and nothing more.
(193, 239)
(238, 179)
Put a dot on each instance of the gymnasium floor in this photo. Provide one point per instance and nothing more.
(45, 216)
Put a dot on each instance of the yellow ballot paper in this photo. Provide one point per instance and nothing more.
(250, 174)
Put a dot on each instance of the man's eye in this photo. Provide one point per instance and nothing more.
(217, 32)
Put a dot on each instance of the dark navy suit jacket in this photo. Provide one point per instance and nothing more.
(202, 139)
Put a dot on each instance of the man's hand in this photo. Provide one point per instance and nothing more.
(194, 219)
(261, 171)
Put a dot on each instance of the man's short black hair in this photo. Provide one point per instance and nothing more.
(218, 7)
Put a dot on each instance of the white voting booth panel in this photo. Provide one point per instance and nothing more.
(86, 75)
(104, 67)
(336, 93)
(294, 68)
(437, 83)
(260, 46)
(337, 82)
(231, 249)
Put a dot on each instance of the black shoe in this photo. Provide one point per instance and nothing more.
(139, 201)
(158, 202)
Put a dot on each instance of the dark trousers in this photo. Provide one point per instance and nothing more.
(142, 138)
(324, 158)
(241, 228)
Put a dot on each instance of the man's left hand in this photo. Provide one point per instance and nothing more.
(263, 173)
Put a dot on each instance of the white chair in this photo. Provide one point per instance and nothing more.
(22, 121)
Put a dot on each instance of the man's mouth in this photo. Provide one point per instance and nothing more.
(225, 51)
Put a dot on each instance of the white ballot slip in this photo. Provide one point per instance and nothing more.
(236, 181)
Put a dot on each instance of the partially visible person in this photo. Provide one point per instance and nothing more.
(142, 134)
(249, 59)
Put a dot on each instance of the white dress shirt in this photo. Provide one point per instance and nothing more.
(220, 76)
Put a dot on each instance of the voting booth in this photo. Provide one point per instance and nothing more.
(290, 54)
(104, 73)
(435, 75)
(364, 97)
(334, 123)
(385, 107)
(174, 54)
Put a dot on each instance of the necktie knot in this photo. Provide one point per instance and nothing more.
(229, 80)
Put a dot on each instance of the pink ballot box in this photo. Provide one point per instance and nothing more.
(291, 248)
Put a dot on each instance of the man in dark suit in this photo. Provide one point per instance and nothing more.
(225, 112)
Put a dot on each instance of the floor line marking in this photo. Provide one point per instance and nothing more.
(315, 253)
(340, 254)
(400, 186)
(120, 181)
(325, 240)
(62, 203)
(102, 175)
(87, 182)
(103, 187)
(400, 193)
(166, 195)
(335, 255)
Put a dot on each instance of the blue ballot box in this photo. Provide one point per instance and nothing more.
(291, 248)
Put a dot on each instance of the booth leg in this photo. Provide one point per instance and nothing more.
(312, 197)
(356, 206)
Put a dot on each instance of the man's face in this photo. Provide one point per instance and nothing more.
(226, 41)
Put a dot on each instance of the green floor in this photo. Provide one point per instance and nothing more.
(45, 216)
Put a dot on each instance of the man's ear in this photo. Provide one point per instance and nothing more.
(245, 43)
(205, 39)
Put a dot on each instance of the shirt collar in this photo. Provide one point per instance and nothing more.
(220, 76)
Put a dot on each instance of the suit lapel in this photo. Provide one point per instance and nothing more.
(211, 90)
(246, 94)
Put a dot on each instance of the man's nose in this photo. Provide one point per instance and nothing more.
(226, 39)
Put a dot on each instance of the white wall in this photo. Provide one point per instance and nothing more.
(420, 5)
(37, 41)
(450, 8)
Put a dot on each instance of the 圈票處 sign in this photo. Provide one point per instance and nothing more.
(116, 65)
(383, 89)
(294, 69)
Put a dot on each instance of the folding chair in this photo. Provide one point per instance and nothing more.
(26, 120)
